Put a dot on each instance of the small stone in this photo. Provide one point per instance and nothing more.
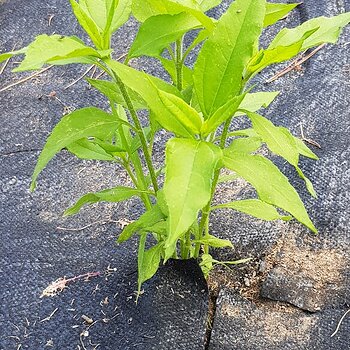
(262, 267)
(246, 282)
(13, 181)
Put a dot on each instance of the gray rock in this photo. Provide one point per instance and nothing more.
(311, 279)
(242, 324)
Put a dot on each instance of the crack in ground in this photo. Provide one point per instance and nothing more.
(210, 319)
(20, 151)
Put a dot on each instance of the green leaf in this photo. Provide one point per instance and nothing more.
(328, 31)
(86, 122)
(208, 4)
(5, 56)
(54, 49)
(271, 185)
(225, 112)
(180, 118)
(275, 12)
(88, 149)
(221, 62)
(148, 219)
(214, 242)
(170, 111)
(190, 167)
(243, 132)
(143, 9)
(150, 41)
(254, 207)
(100, 18)
(254, 101)
(112, 92)
(88, 24)
(304, 150)
(96, 10)
(121, 14)
(149, 262)
(265, 58)
(281, 142)
(244, 145)
(117, 194)
(208, 262)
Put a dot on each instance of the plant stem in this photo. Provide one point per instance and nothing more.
(204, 223)
(185, 245)
(136, 162)
(140, 132)
(179, 64)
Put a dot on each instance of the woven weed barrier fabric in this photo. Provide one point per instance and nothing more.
(294, 292)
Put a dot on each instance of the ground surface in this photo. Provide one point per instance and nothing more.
(294, 292)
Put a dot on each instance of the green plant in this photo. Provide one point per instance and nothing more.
(197, 109)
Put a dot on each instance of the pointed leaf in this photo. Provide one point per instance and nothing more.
(143, 9)
(219, 68)
(149, 218)
(225, 112)
(150, 41)
(86, 122)
(53, 49)
(254, 207)
(170, 111)
(180, 118)
(275, 12)
(271, 185)
(215, 242)
(112, 92)
(88, 24)
(121, 14)
(6, 55)
(281, 142)
(88, 149)
(254, 101)
(149, 263)
(304, 150)
(244, 145)
(328, 31)
(190, 167)
(265, 58)
(117, 194)
(96, 10)
(208, 4)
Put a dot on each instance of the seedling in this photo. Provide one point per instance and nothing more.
(197, 109)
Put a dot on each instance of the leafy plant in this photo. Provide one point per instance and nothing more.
(197, 109)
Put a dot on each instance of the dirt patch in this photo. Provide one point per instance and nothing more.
(275, 323)
(308, 278)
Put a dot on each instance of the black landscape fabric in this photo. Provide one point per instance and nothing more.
(100, 312)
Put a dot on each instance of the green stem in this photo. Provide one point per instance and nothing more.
(136, 162)
(204, 223)
(185, 245)
(179, 64)
(140, 132)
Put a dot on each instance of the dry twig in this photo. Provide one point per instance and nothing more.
(60, 284)
(101, 222)
(339, 323)
(25, 79)
(80, 78)
(294, 64)
(311, 142)
(48, 318)
(50, 20)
